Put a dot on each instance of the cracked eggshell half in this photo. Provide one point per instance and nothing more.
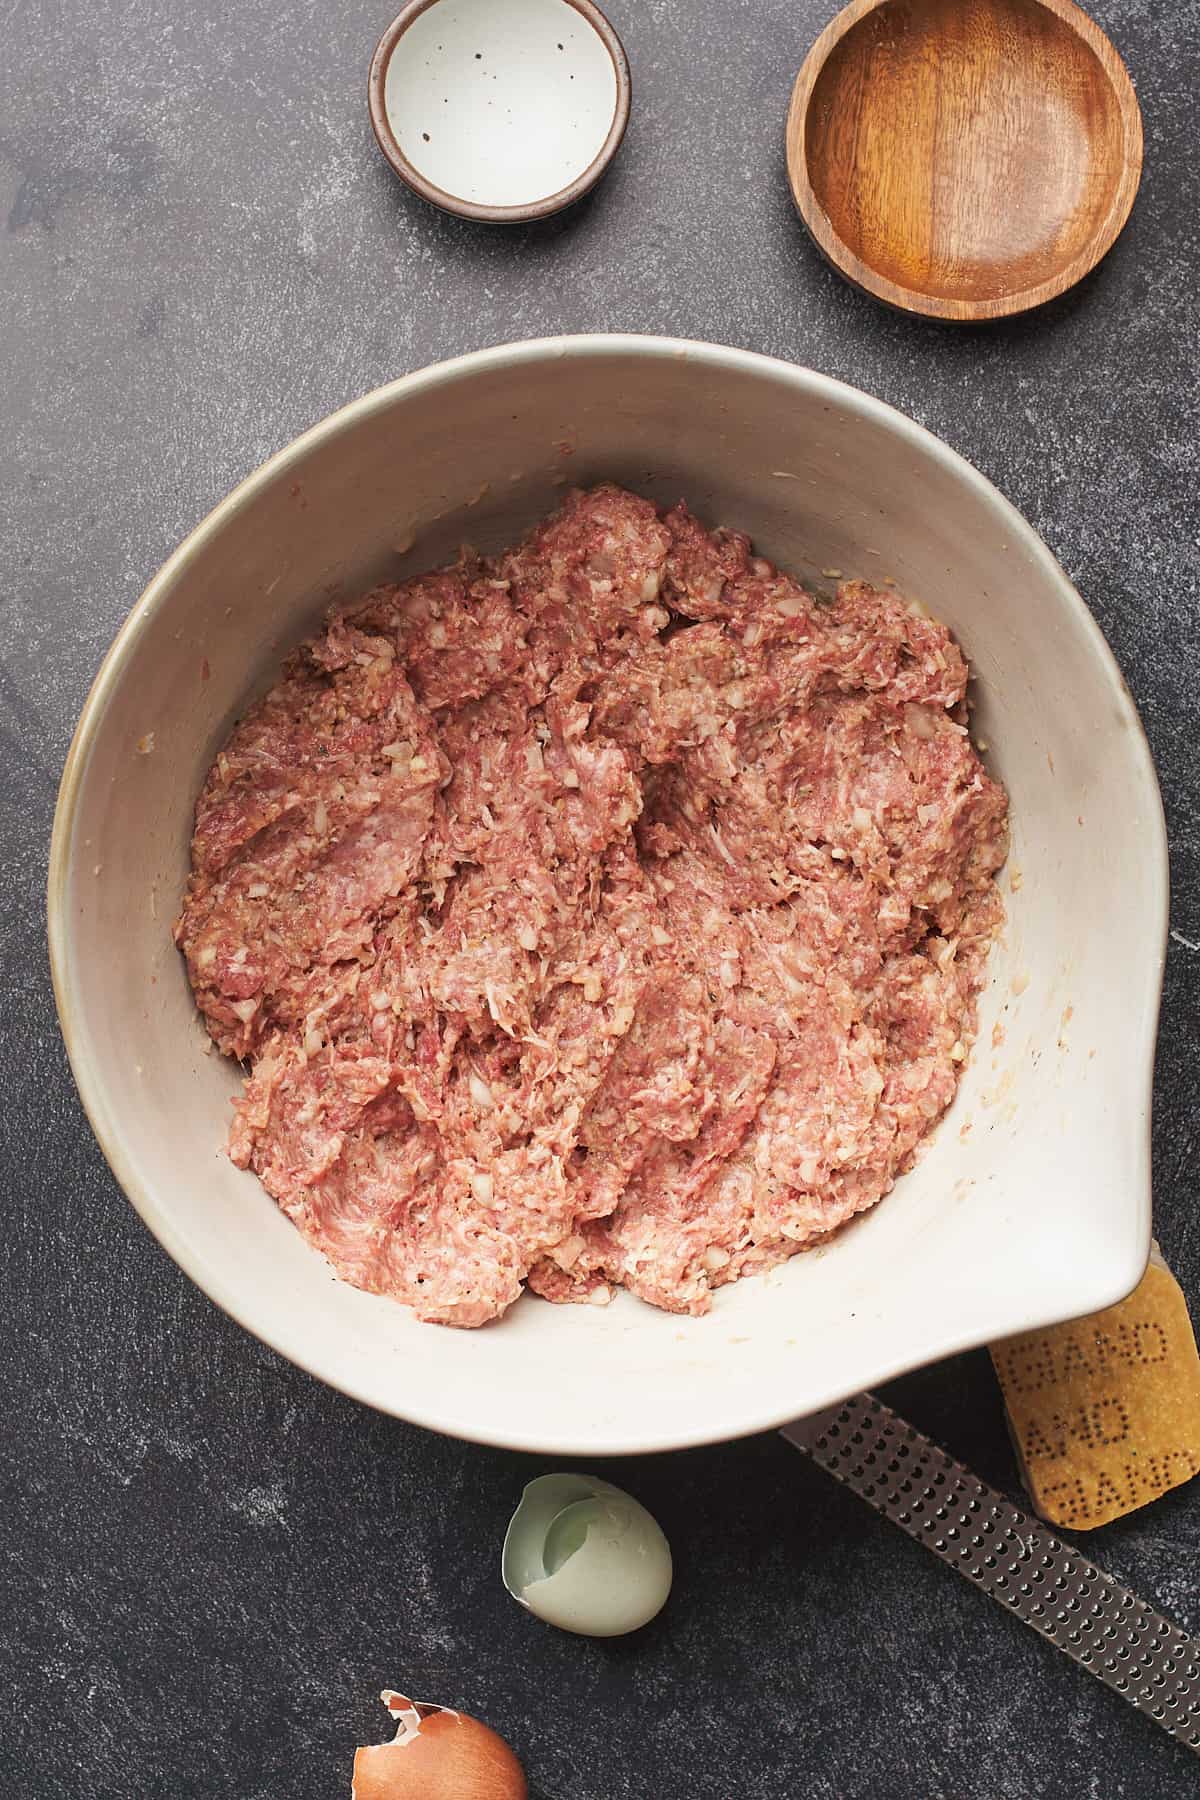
(436, 1754)
(586, 1556)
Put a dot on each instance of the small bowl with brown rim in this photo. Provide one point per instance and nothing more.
(502, 111)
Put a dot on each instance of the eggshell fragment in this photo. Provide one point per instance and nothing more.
(585, 1556)
(436, 1754)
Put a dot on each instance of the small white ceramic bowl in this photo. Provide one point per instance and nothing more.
(1033, 1202)
(500, 110)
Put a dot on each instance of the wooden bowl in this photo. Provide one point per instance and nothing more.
(965, 159)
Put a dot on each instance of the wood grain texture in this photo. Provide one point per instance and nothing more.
(965, 159)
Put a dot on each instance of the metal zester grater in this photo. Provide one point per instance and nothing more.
(1012, 1557)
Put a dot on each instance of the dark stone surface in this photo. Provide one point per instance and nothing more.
(210, 1563)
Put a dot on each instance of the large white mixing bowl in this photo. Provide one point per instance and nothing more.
(1033, 1203)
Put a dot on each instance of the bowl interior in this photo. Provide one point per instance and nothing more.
(966, 149)
(1032, 1203)
(498, 106)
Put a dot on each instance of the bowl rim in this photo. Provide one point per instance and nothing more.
(462, 208)
(863, 275)
(1121, 1278)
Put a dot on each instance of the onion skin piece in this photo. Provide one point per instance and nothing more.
(437, 1754)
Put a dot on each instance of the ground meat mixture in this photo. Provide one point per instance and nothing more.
(609, 912)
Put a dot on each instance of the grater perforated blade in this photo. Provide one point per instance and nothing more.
(1012, 1557)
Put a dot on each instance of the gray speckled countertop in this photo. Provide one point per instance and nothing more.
(209, 1564)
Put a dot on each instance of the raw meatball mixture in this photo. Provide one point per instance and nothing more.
(607, 912)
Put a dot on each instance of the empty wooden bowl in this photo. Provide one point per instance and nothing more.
(965, 159)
